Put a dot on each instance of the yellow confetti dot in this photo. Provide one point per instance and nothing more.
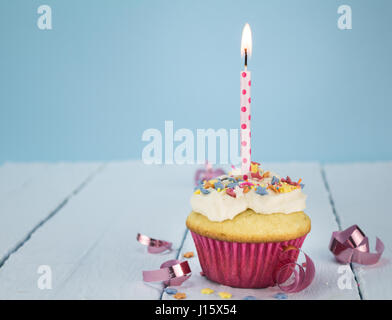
(189, 254)
(219, 189)
(225, 295)
(180, 295)
(197, 191)
(207, 291)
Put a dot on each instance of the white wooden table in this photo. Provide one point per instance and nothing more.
(81, 220)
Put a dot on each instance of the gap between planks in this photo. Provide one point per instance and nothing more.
(338, 221)
(62, 204)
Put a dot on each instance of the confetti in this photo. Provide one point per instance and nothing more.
(218, 185)
(250, 298)
(280, 296)
(170, 290)
(197, 191)
(207, 291)
(180, 295)
(225, 295)
(189, 254)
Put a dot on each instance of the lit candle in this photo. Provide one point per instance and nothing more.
(246, 51)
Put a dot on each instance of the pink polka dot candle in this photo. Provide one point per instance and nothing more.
(246, 50)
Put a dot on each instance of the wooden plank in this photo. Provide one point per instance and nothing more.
(14, 175)
(361, 194)
(323, 223)
(90, 244)
(30, 193)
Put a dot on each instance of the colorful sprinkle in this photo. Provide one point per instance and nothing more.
(218, 185)
(207, 291)
(231, 193)
(250, 298)
(280, 296)
(170, 290)
(189, 254)
(204, 191)
(197, 191)
(225, 295)
(302, 185)
(232, 185)
(180, 295)
(261, 191)
(275, 180)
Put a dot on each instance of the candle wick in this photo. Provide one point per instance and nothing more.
(246, 58)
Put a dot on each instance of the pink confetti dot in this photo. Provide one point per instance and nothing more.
(243, 143)
(243, 126)
(249, 100)
(249, 83)
(244, 74)
(244, 92)
(244, 160)
(249, 134)
(250, 151)
(249, 117)
(243, 109)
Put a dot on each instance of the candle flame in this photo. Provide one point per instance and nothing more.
(246, 41)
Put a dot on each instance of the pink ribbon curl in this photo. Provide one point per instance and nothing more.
(352, 245)
(303, 277)
(154, 245)
(172, 273)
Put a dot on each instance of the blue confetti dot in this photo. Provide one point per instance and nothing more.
(261, 191)
(275, 180)
(250, 298)
(280, 296)
(170, 290)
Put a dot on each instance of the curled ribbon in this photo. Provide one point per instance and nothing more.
(172, 273)
(154, 245)
(352, 245)
(208, 173)
(303, 277)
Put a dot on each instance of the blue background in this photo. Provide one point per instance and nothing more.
(108, 70)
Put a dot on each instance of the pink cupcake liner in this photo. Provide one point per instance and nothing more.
(243, 265)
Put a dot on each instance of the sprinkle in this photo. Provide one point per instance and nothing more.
(256, 175)
(231, 193)
(302, 185)
(261, 191)
(246, 189)
(225, 295)
(280, 296)
(170, 290)
(189, 254)
(219, 190)
(180, 295)
(218, 185)
(275, 180)
(204, 191)
(208, 185)
(232, 185)
(207, 291)
(245, 177)
(299, 181)
(272, 188)
(266, 174)
(250, 298)
(197, 191)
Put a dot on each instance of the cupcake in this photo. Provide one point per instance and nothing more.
(242, 223)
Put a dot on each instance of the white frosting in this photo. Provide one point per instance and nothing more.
(219, 206)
